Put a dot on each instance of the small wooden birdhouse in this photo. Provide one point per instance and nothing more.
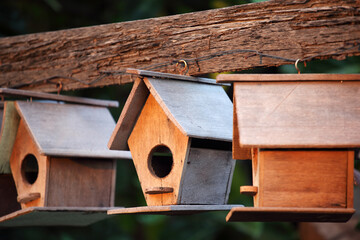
(60, 158)
(300, 132)
(179, 133)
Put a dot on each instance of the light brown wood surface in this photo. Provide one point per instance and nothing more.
(154, 128)
(286, 214)
(172, 209)
(298, 114)
(23, 146)
(54, 216)
(292, 29)
(304, 179)
(229, 78)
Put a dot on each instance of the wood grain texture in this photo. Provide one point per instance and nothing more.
(54, 216)
(154, 128)
(172, 209)
(57, 97)
(23, 146)
(298, 114)
(207, 177)
(275, 214)
(53, 127)
(132, 108)
(80, 182)
(8, 189)
(199, 110)
(315, 179)
(293, 29)
(8, 132)
(285, 77)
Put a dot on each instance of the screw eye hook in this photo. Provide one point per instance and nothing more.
(185, 70)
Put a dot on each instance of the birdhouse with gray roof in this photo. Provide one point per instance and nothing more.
(179, 132)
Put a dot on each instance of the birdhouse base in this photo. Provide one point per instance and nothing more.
(54, 216)
(276, 214)
(173, 209)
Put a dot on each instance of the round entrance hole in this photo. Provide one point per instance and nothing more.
(30, 168)
(160, 161)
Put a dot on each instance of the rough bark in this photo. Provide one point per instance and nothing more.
(297, 29)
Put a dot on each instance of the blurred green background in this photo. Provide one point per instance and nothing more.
(23, 16)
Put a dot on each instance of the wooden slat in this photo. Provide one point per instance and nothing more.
(303, 179)
(199, 110)
(48, 96)
(291, 29)
(54, 216)
(229, 78)
(9, 127)
(54, 126)
(128, 116)
(159, 75)
(298, 114)
(207, 177)
(255, 214)
(172, 209)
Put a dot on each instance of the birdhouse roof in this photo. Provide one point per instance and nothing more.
(199, 109)
(69, 130)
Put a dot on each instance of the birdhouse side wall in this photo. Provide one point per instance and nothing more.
(153, 129)
(7, 188)
(207, 177)
(80, 182)
(304, 178)
(25, 146)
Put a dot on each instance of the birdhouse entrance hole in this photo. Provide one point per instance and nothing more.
(160, 161)
(30, 168)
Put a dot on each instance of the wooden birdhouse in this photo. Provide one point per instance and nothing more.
(178, 130)
(300, 132)
(59, 162)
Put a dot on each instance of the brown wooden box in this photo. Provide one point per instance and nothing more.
(299, 131)
(177, 131)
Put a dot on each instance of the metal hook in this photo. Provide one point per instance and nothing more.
(59, 85)
(185, 69)
(296, 66)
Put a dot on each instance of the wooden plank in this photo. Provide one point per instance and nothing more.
(207, 177)
(9, 127)
(160, 75)
(54, 216)
(350, 180)
(239, 153)
(128, 116)
(57, 97)
(273, 214)
(303, 179)
(80, 182)
(8, 195)
(172, 209)
(229, 78)
(23, 147)
(199, 110)
(60, 152)
(298, 114)
(53, 127)
(153, 128)
(233, 38)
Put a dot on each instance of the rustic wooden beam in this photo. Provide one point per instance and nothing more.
(262, 34)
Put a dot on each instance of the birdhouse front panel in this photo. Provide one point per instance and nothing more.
(159, 152)
(29, 169)
(303, 178)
